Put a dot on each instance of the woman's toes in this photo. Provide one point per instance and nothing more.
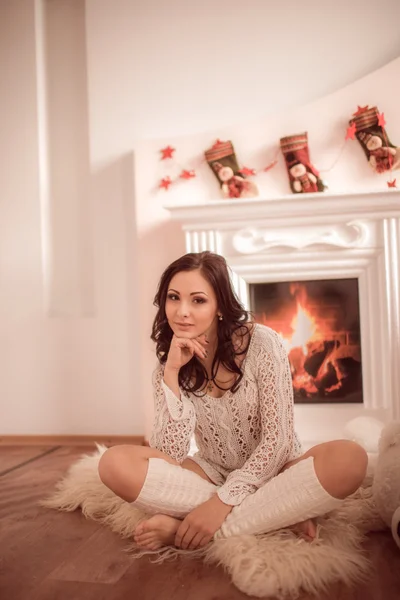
(146, 536)
(156, 532)
(143, 527)
(144, 542)
(139, 530)
(142, 531)
(148, 543)
(154, 546)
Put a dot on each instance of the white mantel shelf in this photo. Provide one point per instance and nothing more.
(304, 208)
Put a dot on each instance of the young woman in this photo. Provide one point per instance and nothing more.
(227, 381)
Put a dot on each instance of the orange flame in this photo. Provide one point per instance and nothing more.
(305, 331)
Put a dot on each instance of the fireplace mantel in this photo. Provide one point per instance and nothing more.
(300, 208)
(318, 236)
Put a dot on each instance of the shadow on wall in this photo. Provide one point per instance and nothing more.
(107, 354)
(129, 263)
(158, 247)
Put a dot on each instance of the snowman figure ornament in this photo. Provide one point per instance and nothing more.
(381, 157)
(302, 179)
(234, 186)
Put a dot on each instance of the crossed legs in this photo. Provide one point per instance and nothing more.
(340, 467)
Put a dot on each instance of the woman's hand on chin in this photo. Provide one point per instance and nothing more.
(181, 350)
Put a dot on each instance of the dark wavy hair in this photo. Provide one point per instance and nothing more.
(213, 267)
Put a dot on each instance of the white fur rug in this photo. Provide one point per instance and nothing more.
(272, 565)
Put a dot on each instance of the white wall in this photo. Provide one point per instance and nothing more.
(167, 68)
(155, 69)
(67, 248)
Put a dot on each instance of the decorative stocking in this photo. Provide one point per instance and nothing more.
(222, 160)
(303, 176)
(382, 155)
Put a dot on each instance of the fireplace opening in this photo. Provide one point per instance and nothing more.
(319, 322)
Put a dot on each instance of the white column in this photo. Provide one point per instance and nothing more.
(67, 245)
(392, 275)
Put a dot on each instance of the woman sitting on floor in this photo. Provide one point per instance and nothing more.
(226, 380)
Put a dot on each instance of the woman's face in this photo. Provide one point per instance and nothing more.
(191, 305)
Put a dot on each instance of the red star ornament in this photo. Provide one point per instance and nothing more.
(165, 183)
(167, 152)
(360, 110)
(351, 131)
(247, 171)
(187, 174)
(392, 184)
(381, 120)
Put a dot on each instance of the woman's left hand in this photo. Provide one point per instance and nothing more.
(198, 528)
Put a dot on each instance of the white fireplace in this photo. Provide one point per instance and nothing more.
(311, 237)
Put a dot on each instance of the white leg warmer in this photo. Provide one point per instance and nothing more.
(289, 498)
(172, 490)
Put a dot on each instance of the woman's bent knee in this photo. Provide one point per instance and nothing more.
(349, 462)
(123, 470)
(341, 466)
(357, 464)
(107, 465)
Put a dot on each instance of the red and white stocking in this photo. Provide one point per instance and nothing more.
(381, 154)
(303, 176)
(223, 162)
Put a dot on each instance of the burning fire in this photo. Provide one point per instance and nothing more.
(304, 329)
(311, 351)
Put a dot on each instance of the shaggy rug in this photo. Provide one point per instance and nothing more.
(271, 565)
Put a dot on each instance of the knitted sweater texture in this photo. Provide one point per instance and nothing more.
(244, 438)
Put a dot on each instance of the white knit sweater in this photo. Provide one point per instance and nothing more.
(244, 438)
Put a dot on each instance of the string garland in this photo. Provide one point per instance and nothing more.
(186, 173)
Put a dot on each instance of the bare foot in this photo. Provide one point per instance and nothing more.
(156, 532)
(306, 529)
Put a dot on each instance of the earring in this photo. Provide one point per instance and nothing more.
(220, 317)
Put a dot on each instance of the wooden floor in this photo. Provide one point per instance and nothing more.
(47, 555)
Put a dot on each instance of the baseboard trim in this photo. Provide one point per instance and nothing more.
(70, 440)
